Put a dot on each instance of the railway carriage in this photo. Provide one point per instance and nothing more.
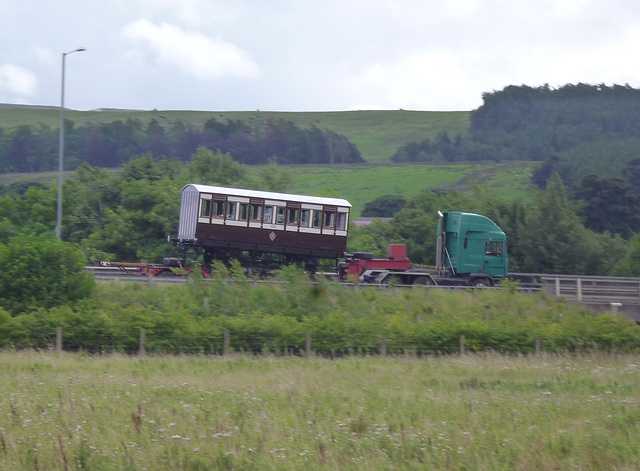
(261, 226)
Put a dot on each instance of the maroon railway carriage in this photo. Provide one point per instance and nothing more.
(231, 223)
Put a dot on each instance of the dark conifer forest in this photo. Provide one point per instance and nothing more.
(30, 148)
(574, 130)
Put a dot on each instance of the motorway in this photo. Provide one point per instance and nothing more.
(597, 293)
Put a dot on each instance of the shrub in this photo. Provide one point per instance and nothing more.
(40, 272)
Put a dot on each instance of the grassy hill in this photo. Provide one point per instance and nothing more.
(377, 134)
(361, 184)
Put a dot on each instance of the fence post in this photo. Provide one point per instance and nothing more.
(143, 339)
(614, 308)
(58, 339)
(383, 346)
(579, 289)
(538, 347)
(307, 345)
(226, 342)
(462, 345)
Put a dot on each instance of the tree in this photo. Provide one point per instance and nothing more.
(632, 172)
(215, 169)
(554, 239)
(630, 265)
(145, 167)
(87, 196)
(609, 205)
(39, 272)
(19, 149)
(384, 206)
(273, 178)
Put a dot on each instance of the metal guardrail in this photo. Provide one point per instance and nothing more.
(593, 289)
(583, 289)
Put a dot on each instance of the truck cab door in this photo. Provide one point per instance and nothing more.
(495, 258)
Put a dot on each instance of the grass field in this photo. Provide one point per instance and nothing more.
(361, 184)
(485, 412)
(377, 134)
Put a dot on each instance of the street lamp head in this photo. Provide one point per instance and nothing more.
(80, 49)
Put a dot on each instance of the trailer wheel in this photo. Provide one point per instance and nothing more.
(481, 283)
(424, 281)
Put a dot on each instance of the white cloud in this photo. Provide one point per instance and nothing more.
(421, 80)
(195, 13)
(18, 80)
(46, 56)
(323, 55)
(193, 53)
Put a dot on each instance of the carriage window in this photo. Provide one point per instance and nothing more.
(304, 217)
(256, 212)
(205, 208)
(231, 210)
(342, 221)
(292, 218)
(244, 211)
(280, 214)
(268, 214)
(329, 219)
(218, 209)
(317, 218)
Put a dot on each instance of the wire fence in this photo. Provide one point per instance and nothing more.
(227, 342)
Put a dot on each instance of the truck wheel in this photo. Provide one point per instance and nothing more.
(424, 281)
(481, 283)
(393, 280)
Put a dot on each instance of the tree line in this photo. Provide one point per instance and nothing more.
(575, 130)
(35, 148)
(126, 216)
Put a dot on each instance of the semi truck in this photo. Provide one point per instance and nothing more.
(471, 250)
(265, 230)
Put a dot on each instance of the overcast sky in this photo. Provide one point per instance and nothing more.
(308, 55)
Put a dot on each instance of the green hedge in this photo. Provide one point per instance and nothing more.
(273, 318)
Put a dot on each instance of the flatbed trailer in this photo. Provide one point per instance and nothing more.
(169, 267)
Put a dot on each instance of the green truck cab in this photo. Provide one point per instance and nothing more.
(471, 247)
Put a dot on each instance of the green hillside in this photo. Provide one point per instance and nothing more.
(362, 184)
(377, 134)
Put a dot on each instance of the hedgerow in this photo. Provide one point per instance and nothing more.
(275, 317)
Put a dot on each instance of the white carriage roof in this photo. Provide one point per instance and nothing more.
(268, 195)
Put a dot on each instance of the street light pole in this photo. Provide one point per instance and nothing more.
(61, 148)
